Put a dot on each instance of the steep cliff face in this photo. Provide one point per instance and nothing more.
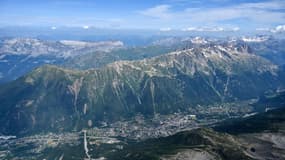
(55, 99)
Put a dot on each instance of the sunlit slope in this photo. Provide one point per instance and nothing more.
(54, 99)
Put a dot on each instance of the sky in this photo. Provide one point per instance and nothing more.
(163, 15)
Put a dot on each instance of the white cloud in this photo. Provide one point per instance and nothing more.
(272, 5)
(160, 11)
(235, 29)
(53, 28)
(190, 29)
(165, 29)
(279, 28)
(262, 29)
(256, 13)
(216, 29)
(85, 27)
(210, 29)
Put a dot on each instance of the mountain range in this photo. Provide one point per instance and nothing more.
(19, 56)
(56, 99)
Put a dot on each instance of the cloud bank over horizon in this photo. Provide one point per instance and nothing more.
(162, 15)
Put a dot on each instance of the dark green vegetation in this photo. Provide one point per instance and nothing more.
(65, 101)
(220, 145)
(197, 144)
(57, 99)
(216, 145)
(272, 120)
(14, 66)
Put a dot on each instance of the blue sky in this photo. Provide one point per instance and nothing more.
(164, 15)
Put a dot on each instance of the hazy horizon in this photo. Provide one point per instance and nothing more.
(246, 16)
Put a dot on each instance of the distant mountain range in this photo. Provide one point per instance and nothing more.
(20, 55)
(64, 48)
(271, 49)
(57, 99)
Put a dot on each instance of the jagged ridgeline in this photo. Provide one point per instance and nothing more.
(56, 99)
